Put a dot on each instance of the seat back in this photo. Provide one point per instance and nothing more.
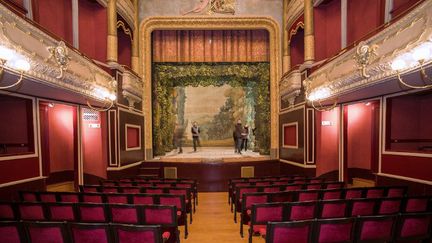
(335, 230)
(289, 232)
(414, 227)
(302, 210)
(89, 233)
(12, 232)
(92, 212)
(375, 228)
(333, 209)
(46, 232)
(123, 213)
(136, 233)
(61, 211)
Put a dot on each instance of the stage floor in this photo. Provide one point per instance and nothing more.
(208, 154)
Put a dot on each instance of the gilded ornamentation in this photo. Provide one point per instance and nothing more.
(290, 86)
(60, 54)
(81, 73)
(213, 6)
(200, 23)
(341, 73)
(363, 56)
(125, 29)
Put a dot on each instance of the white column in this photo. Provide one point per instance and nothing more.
(388, 9)
(75, 23)
(28, 6)
(344, 13)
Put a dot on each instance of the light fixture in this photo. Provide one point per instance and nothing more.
(318, 95)
(50, 105)
(14, 61)
(105, 95)
(417, 57)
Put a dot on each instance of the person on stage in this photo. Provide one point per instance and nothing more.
(245, 137)
(238, 135)
(195, 135)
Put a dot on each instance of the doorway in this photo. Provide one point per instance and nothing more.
(360, 153)
(59, 145)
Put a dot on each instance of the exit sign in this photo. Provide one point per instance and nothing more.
(326, 123)
(94, 125)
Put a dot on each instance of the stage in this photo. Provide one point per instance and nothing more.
(211, 154)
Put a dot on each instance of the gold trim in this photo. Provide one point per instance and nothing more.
(295, 30)
(148, 25)
(125, 29)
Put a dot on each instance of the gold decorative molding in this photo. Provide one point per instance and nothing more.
(290, 86)
(125, 8)
(294, 31)
(211, 23)
(82, 74)
(60, 54)
(295, 10)
(342, 74)
(132, 87)
(126, 30)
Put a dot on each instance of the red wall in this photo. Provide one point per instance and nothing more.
(55, 16)
(95, 146)
(93, 23)
(124, 48)
(18, 169)
(363, 17)
(408, 166)
(61, 137)
(399, 6)
(327, 22)
(327, 142)
(133, 137)
(359, 135)
(297, 48)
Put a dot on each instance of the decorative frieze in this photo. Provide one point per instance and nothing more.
(132, 88)
(290, 86)
(52, 62)
(370, 62)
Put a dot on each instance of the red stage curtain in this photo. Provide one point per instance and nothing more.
(55, 16)
(93, 29)
(210, 46)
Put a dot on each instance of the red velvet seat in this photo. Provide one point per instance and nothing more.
(92, 197)
(289, 232)
(69, 197)
(417, 204)
(136, 233)
(46, 232)
(334, 230)
(375, 228)
(248, 200)
(313, 186)
(110, 189)
(91, 212)
(28, 196)
(179, 202)
(414, 227)
(353, 193)
(12, 232)
(333, 185)
(130, 189)
(303, 210)
(308, 195)
(117, 198)
(48, 197)
(61, 211)
(7, 211)
(123, 213)
(89, 233)
(146, 199)
(31, 211)
(333, 209)
(364, 206)
(165, 216)
(390, 206)
(396, 192)
(261, 214)
(331, 194)
(375, 192)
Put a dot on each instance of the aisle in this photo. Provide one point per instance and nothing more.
(213, 222)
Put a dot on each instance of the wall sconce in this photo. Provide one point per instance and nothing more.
(106, 96)
(417, 57)
(14, 61)
(318, 95)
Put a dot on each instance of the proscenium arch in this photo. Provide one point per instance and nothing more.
(148, 25)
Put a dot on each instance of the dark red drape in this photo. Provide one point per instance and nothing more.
(363, 16)
(55, 16)
(93, 29)
(327, 23)
(211, 46)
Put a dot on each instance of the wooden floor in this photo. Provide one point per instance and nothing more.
(213, 222)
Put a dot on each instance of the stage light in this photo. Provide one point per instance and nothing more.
(417, 57)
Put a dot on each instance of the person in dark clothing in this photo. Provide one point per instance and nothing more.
(245, 137)
(238, 134)
(235, 141)
(195, 130)
(178, 136)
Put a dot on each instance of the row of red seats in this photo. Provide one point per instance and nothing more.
(271, 182)
(136, 189)
(141, 181)
(260, 214)
(62, 232)
(163, 215)
(307, 195)
(117, 198)
(412, 227)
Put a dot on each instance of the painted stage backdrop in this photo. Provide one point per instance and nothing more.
(215, 96)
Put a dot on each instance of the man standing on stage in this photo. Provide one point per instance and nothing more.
(239, 136)
(195, 135)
